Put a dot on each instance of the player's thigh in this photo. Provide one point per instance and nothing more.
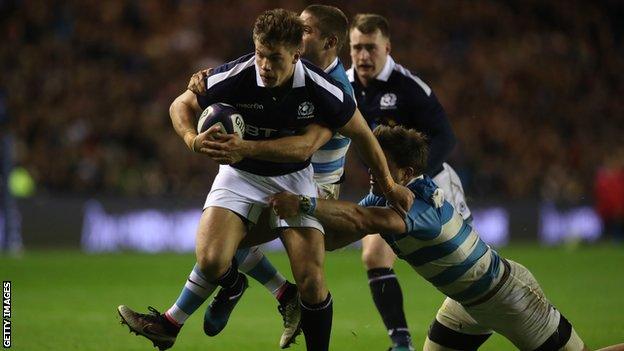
(376, 252)
(219, 232)
(306, 252)
(261, 232)
(454, 329)
(520, 312)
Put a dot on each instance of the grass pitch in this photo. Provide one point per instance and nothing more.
(67, 300)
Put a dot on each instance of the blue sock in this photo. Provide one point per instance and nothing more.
(196, 290)
(253, 262)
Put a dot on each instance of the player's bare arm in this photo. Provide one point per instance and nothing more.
(349, 219)
(368, 148)
(183, 112)
(229, 148)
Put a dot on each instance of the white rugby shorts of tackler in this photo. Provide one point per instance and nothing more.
(518, 310)
(247, 194)
(329, 191)
(450, 183)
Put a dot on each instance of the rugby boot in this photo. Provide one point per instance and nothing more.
(153, 326)
(291, 314)
(218, 312)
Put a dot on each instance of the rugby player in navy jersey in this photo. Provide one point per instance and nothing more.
(278, 95)
(325, 32)
(485, 292)
(389, 94)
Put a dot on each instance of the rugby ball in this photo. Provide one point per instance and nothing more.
(223, 115)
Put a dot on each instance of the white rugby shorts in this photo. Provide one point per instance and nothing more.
(329, 191)
(450, 183)
(247, 194)
(519, 311)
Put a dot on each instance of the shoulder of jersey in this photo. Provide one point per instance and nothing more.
(410, 79)
(230, 70)
(243, 60)
(323, 80)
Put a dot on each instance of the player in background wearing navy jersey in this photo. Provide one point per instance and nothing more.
(325, 32)
(279, 96)
(485, 292)
(389, 94)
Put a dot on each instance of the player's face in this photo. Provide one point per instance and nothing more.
(276, 63)
(397, 174)
(313, 44)
(369, 53)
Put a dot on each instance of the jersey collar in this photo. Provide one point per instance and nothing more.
(298, 79)
(331, 65)
(384, 75)
(415, 179)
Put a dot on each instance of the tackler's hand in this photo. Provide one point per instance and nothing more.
(285, 204)
(197, 83)
(400, 198)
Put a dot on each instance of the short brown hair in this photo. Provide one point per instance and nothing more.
(406, 147)
(331, 21)
(368, 23)
(279, 27)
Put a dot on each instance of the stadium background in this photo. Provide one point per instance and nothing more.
(533, 90)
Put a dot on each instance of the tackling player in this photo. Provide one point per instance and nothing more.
(485, 292)
(279, 95)
(389, 94)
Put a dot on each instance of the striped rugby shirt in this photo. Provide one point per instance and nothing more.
(329, 160)
(441, 246)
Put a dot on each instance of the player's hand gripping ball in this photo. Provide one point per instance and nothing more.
(225, 116)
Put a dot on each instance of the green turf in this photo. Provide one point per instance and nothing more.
(67, 300)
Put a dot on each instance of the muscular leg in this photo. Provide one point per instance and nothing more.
(199, 286)
(378, 259)
(305, 247)
(195, 291)
(376, 253)
(254, 263)
(261, 232)
(219, 233)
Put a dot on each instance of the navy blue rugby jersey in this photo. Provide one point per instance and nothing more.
(315, 97)
(397, 97)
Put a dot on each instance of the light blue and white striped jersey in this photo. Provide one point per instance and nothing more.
(329, 160)
(441, 246)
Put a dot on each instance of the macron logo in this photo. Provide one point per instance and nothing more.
(254, 106)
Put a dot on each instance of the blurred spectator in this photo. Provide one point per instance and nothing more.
(533, 88)
(609, 194)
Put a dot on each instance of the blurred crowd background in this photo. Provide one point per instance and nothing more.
(533, 90)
